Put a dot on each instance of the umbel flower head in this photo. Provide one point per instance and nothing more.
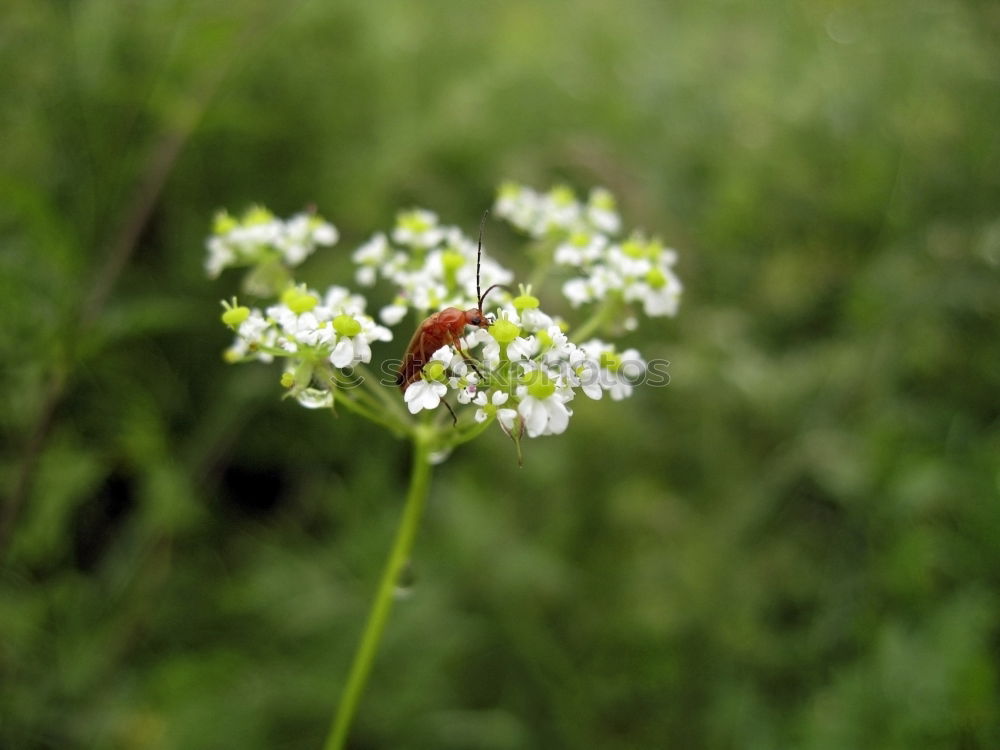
(522, 369)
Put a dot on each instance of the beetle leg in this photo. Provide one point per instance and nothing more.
(454, 417)
(465, 355)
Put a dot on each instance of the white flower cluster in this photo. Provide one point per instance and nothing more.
(524, 371)
(313, 332)
(520, 370)
(258, 236)
(431, 266)
(636, 270)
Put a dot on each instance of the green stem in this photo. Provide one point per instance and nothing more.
(362, 410)
(392, 403)
(474, 431)
(604, 314)
(364, 657)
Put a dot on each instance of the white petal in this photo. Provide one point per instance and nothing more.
(392, 314)
(507, 417)
(522, 348)
(342, 354)
(535, 416)
(362, 351)
(558, 416)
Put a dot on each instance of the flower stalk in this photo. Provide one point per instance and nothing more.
(416, 499)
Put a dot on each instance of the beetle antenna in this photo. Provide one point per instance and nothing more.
(479, 256)
(483, 298)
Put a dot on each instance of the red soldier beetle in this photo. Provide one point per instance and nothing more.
(444, 328)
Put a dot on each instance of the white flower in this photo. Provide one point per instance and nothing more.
(601, 211)
(417, 228)
(324, 233)
(338, 300)
(220, 256)
(498, 399)
(533, 319)
(490, 354)
(578, 292)
(342, 354)
(424, 394)
(447, 356)
(507, 417)
(369, 257)
(522, 348)
(581, 248)
(392, 314)
(521, 206)
(258, 237)
(546, 416)
(588, 374)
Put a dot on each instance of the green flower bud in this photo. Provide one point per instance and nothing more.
(610, 361)
(509, 190)
(544, 339)
(656, 278)
(539, 384)
(602, 198)
(525, 301)
(287, 379)
(233, 316)
(224, 223)
(452, 260)
(504, 330)
(634, 247)
(562, 195)
(413, 221)
(298, 300)
(257, 215)
(345, 325)
(579, 239)
(434, 370)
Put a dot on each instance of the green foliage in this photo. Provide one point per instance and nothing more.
(796, 544)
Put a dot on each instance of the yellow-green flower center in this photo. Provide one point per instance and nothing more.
(603, 199)
(452, 260)
(562, 195)
(656, 278)
(233, 316)
(257, 215)
(634, 248)
(345, 325)
(611, 361)
(298, 300)
(434, 370)
(504, 330)
(539, 384)
(413, 221)
(224, 223)
(526, 301)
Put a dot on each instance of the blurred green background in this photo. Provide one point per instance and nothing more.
(795, 545)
